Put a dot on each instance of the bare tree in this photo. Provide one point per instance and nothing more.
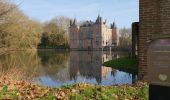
(62, 22)
(17, 30)
(125, 37)
(6, 7)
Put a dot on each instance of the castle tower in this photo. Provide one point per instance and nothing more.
(97, 33)
(74, 34)
(92, 35)
(106, 35)
(115, 34)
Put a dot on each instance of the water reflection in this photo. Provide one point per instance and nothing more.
(28, 61)
(88, 65)
(54, 68)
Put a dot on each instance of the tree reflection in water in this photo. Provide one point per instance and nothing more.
(50, 66)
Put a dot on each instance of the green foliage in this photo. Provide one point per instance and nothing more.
(88, 92)
(75, 92)
(67, 86)
(76, 97)
(50, 96)
(5, 93)
(44, 40)
(127, 64)
(5, 88)
(144, 92)
(55, 34)
(91, 92)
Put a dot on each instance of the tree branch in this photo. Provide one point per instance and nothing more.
(10, 9)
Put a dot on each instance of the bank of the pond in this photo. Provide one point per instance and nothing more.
(17, 90)
(127, 64)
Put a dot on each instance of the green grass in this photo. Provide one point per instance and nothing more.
(138, 91)
(127, 64)
(5, 92)
(91, 92)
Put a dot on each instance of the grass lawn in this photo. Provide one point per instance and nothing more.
(21, 90)
(127, 64)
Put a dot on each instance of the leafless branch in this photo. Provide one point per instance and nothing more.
(9, 9)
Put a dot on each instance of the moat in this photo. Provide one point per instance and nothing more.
(54, 68)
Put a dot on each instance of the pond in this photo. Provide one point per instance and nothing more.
(55, 68)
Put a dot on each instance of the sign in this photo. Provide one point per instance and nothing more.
(158, 62)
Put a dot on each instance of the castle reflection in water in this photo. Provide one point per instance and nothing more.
(89, 65)
(54, 68)
(79, 67)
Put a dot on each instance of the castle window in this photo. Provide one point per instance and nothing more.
(97, 35)
(97, 43)
(90, 35)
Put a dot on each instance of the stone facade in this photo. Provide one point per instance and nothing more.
(92, 35)
(154, 24)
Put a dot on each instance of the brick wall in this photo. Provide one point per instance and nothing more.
(154, 24)
(165, 16)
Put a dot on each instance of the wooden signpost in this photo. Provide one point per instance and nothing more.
(158, 62)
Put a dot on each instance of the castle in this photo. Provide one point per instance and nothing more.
(93, 35)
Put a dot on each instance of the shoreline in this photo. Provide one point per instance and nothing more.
(51, 49)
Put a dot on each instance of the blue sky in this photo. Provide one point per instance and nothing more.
(123, 12)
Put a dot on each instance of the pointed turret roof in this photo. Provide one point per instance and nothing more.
(99, 19)
(73, 23)
(113, 25)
